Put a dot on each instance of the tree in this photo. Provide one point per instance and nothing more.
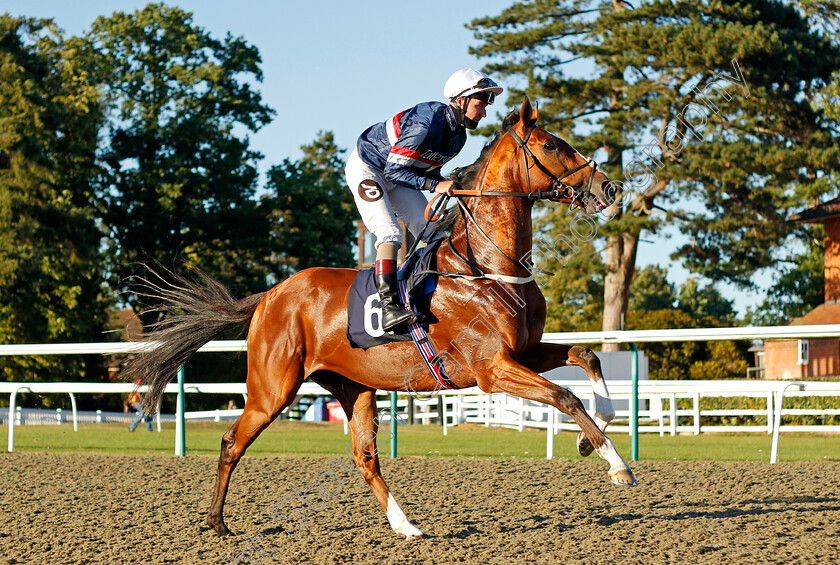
(650, 290)
(655, 304)
(667, 360)
(51, 272)
(313, 223)
(181, 176)
(705, 302)
(688, 359)
(573, 282)
(799, 289)
(700, 102)
(727, 360)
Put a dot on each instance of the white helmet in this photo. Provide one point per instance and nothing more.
(469, 82)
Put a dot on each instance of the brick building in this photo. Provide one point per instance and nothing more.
(808, 358)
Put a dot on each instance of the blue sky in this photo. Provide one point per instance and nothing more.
(341, 66)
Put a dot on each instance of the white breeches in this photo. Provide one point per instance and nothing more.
(381, 202)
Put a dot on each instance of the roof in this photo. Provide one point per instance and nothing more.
(822, 314)
(127, 325)
(819, 213)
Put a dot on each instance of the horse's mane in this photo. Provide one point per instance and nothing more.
(465, 177)
(447, 223)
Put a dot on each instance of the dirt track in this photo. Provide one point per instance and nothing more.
(122, 509)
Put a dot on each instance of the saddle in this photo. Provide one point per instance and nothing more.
(417, 279)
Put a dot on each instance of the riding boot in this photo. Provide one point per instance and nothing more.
(393, 313)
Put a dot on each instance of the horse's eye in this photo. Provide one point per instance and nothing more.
(549, 146)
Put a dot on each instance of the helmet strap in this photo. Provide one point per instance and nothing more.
(461, 114)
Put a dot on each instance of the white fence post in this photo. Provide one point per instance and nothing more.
(770, 413)
(549, 440)
(75, 418)
(443, 414)
(777, 421)
(777, 424)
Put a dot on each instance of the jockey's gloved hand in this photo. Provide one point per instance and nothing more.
(445, 187)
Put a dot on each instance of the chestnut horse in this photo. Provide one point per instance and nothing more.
(297, 329)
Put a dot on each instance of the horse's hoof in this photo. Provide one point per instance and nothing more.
(584, 446)
(623, 477)
(410, 531)
(219, 527)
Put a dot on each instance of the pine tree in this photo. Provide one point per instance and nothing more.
(688, 103)
(705, 302)
(650, 290)
(573, 281)
(799, 289)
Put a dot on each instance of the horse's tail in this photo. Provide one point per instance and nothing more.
(193, 313)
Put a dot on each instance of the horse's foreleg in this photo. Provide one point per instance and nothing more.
(359, 404)
(513, 378)
(547, 356)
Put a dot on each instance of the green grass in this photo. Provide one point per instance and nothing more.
(327, 439)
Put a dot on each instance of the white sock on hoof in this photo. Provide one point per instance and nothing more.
(399, 521)
(604, 411)
(609, 453)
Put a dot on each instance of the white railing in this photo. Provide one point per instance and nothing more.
(774, 391)
(622, 336)
(473, 406)
(696, 334)
(72, 389)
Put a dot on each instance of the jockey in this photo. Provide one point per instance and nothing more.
(394, 161)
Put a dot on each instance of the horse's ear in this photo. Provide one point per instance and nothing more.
(527, 117)
(528, 113)
(509, 120)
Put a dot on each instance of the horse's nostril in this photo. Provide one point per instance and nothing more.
(609, 191)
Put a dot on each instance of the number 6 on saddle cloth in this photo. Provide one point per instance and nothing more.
(364, 318)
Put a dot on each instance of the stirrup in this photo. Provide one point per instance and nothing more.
(394, 316)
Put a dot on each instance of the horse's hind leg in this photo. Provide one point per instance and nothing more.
(547, 356)
(359, 403)
(264, 403)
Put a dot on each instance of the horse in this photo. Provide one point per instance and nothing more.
(297, 328)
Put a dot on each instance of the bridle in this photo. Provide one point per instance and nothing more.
(558, 192)
(567, 192)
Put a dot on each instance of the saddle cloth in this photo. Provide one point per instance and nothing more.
(364, 318)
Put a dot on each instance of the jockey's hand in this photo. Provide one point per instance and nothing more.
(445, 187)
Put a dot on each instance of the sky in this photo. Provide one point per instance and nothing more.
(342, 66)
